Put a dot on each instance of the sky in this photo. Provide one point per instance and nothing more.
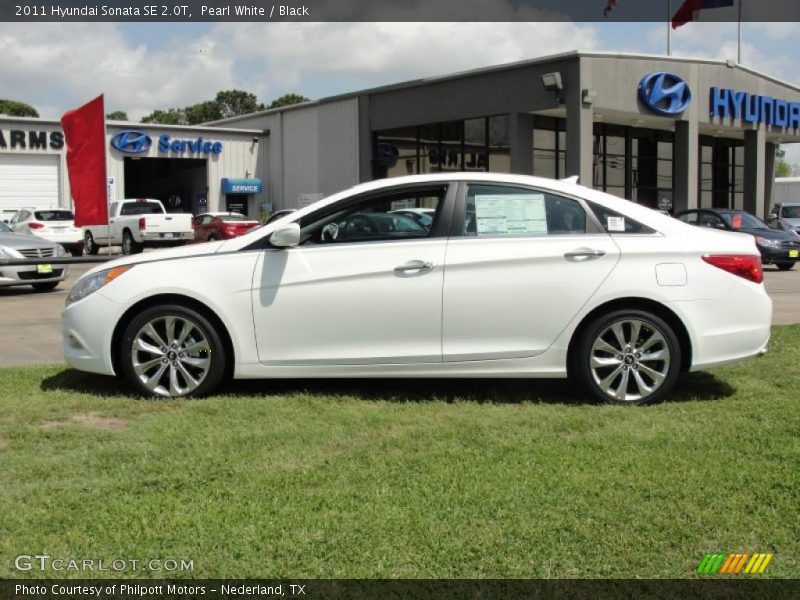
(141, 67)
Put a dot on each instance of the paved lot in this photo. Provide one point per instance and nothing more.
(31, 329)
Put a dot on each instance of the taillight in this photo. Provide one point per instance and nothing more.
(142, 224)
(34, 225)
(743, 265)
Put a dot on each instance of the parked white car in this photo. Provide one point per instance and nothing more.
(518, 277)
(56, 225)
(137, 224)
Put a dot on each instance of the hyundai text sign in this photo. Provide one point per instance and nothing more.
(131, 141)
(665, 93)
(752, 108)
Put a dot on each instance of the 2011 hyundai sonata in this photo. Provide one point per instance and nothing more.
(516, 277)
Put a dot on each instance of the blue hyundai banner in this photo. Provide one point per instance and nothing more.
(241, 186)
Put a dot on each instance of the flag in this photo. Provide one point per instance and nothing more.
(687, 11)
(85, 133)
(609, 6)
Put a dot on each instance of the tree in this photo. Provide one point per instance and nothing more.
(782, 168)
(12, 108)
(287, 100)
(232, 103)
(172, 116)
(226, 104)
(117, 115)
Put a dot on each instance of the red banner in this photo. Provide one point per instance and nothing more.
(85, 133)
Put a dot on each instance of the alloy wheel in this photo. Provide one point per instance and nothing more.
(171, 355)
(630, 360)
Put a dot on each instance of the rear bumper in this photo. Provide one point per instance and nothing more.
(164, 238)
(730, 329)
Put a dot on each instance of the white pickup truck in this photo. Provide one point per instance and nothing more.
(137, 224)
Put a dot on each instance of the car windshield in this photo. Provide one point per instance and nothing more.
(790, 212)
(742, 220)
(53, 215)
(4, 228)
(141, 208)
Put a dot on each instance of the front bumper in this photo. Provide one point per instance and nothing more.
(29, 274)
(87, 327)
(772, 255)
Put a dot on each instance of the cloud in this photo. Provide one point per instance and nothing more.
(378, 53)
(62, 65)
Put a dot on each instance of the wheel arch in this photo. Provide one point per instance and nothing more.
(636, 303)
(178, 299)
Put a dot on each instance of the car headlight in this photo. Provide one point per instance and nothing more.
(60, 250)
(767, 243)
(89, 285)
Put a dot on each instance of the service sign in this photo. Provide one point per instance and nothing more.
(131, 141)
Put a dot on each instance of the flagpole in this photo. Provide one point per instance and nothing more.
(108, 200)
(739, 40)
(669, 27)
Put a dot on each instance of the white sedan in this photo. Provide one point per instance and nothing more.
(517, 277)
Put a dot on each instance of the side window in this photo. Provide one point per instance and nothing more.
(15, 219)
(396, 216)
(690, 218)
(708, 219)
(493, 210)
(112, 210)
(614, 222)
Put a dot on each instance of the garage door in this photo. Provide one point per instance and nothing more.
(28, 180)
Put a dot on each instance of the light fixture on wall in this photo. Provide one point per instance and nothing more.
(552, 83)
(588, 96)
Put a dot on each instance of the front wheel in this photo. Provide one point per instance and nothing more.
(172, 351)
(785, 266)
(628, 357)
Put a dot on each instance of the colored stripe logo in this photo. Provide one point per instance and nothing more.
(734, 563)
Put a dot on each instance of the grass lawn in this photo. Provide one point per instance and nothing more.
(431, 479)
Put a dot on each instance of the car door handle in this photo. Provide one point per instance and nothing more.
(582, 254)
(414, 265)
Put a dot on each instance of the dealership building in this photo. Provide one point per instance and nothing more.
(665, 132)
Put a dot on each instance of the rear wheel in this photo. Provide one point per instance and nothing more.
(45, 287)
(88, 244)
(172, 351)
(628, 357)
(211, 238)
(129, 245)
(785, 266)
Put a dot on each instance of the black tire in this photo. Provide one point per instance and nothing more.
(785, 266)
(157, 315)
(211, 238)
(605, 382)
(88, 244)
(129, 245)
(76, 252)
(45, 287)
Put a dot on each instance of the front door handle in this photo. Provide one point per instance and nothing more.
(583, 254)
(414, 265)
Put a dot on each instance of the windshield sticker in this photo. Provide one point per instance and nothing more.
(737, 222)
(615, 224)
(517, 214)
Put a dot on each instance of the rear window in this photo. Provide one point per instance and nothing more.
(141, 208)
(790, 212)
(53, 215)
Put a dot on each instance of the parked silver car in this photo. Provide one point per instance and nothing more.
(42, 277)
(786, 217)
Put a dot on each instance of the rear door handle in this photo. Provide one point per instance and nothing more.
(583, 254)
(414, 265)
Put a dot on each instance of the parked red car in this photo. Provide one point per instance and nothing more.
(221, 226)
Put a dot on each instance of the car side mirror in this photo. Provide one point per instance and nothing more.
(286, 236)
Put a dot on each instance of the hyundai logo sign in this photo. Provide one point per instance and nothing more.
(665, 93)
(132, 142)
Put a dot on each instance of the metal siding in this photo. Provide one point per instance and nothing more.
(300, 155)
(338, 146)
